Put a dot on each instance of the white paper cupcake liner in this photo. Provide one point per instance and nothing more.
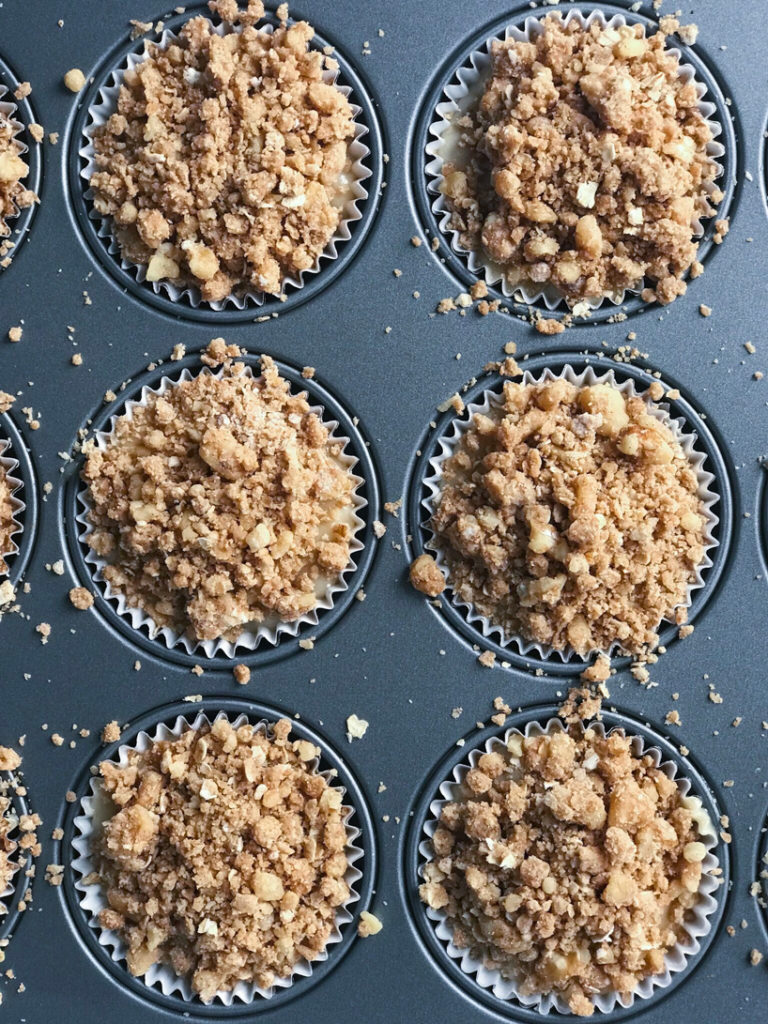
(490, 400)
(271, 630)
(9, 111)
(12, 853)
(8, 467)
(96, 808)
(444, 145)
(105, 105)
(697, 926)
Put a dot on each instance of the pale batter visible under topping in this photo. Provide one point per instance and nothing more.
(226, 857)
(226, 164)
(584, 164)
(568, 863)
(222, 502)
(570, 516)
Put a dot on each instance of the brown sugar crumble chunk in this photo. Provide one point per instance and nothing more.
(584, 165)
(226, 165)
(426, 577)
(254, 839)
(556, 843)
(13, 170)
(110, 733)
(81, 598)
(571, 516)
(221, 503)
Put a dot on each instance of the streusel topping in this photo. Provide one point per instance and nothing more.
(570, 516)
(220, 503)
(585, 163)
(226, 855)
(226, 164)
(568, 863)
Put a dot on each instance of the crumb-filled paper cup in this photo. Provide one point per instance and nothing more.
(96, 808)
(697, 925)
(445, 147)
(352, 181)
(8, 469)
(488, 402)
(272, 628)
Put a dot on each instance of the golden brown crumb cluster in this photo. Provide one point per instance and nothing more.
(221, 503)
(225, 164)
(586, 163)
(226, 857)
(13, 170)
(571, 516)
(7, 526)
(568, 863)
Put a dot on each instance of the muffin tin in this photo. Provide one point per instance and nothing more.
(393, 658)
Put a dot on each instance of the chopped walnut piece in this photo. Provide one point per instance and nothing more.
(558, 843)
(571, 516)
(220, 503)
(584, 119)
(74, 80)
(254, 839)
(368, 925)
(226, 164)
(426, 577)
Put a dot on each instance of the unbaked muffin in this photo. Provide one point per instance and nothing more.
(7, 525)
(221, 503)
(225, 856)
(570, 516)
(226, 164)
(585, 164)
(568, 863)
(13, 170)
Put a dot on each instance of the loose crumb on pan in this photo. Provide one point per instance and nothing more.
(368, 925)
(221, 503)
(111, 732)
(226, 165)
(584, 165)
(569, 864)
(425, 576)
(242, 674)
(81, 598)
(74, 80)
(254, 839)
(571, 516)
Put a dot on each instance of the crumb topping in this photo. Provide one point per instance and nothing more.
(568, 863)
(226, 164)
(225, 858)
(222, 502)
(571, 516)
(584, 165)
